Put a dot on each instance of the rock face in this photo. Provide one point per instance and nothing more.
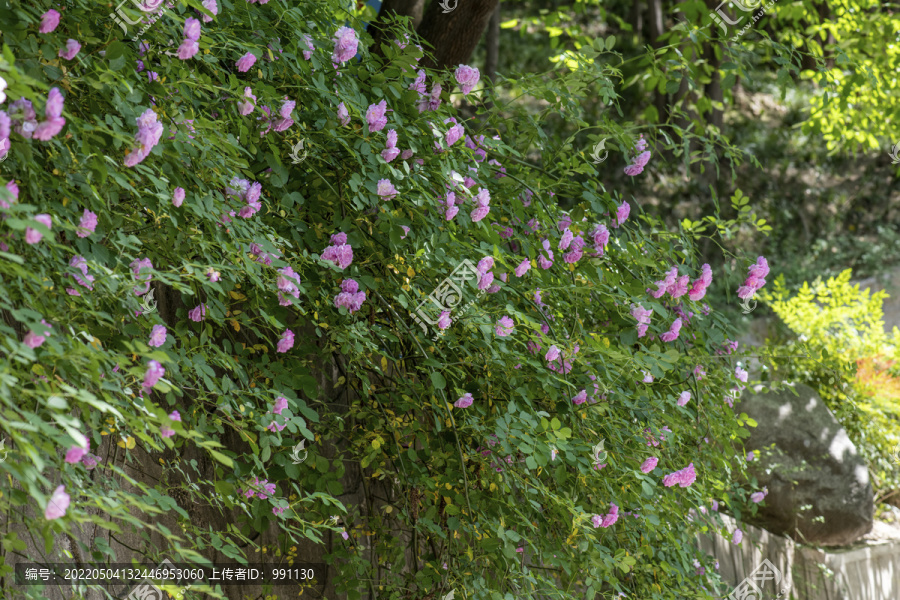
(834, 479)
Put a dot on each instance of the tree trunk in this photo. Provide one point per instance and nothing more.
(714, 87)
(454, 35)
(655, 25)
(637, 18)
(493, 46)
(404, 8)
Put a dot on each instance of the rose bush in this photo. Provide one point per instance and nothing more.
(290, 307)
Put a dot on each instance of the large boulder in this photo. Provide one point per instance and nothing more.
(813, 463)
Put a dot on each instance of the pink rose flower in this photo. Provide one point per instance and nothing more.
(49, 21)
(245, 62)
(58, 503)
(464, 402)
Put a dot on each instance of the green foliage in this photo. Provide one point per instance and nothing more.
(844, 329)
(496, 499)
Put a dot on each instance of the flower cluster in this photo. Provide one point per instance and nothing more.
(755, 279)
(190, 46)
(33, 340)
(465, 401)
(287, 284)
(672, 334)
(148, 135)
(642, 157)
(672, 284)
(340, 252)
(545, 260)
(652, 441)
(166, 431)
(485, 275)
(426, 102)
(157, 336)
(390, 151)
(643, 318)
(58, 502)
(73, 47)
(80, 263)
(246, 192)
(467, 77)
(649, 464)
(376, 116)
(281, 403)
(153, 374)
(343, 115)
(600, 237)
(698, 286)
(560, 360)
(757, 497)
(286, 342)
(350, 297)
(246, 107)
(482, 205)
(684, 477)
(245, 62)
(32, 235)
(198, 313)
(22, 119)
(137, 266)
(504, 326)
(606, 521)
(386, 189)
(212, 7)
(346, 42)
(260, 488)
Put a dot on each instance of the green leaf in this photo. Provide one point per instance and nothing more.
(438, 380)
(225, 488)
(222, 458)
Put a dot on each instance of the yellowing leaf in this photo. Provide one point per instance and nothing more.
(376, 443)
(236, 325)
(237, 296)
(128, 444)
(384, 364)
(410, 272)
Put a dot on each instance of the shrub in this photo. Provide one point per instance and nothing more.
(286, 292)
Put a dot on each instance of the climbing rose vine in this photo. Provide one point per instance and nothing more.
(176, 290)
